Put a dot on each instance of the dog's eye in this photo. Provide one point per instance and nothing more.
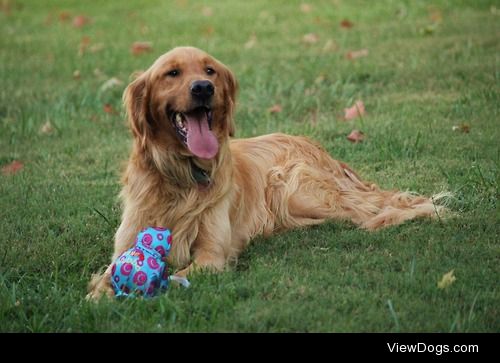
(173, 73)
(210, 71)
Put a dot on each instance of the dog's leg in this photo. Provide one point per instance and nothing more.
(212, 247)
(305, 194)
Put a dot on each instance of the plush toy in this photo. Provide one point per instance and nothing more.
(142, 270)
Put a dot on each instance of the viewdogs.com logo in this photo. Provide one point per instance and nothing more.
(437, 349)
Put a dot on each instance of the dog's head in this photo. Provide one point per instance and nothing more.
(182, 104)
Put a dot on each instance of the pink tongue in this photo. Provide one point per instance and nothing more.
(200, 140)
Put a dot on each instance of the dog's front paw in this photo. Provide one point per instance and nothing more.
(99, 286)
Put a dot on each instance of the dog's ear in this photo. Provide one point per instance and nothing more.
(136, 102)
(230, 91)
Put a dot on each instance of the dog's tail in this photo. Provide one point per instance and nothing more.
(372, 208)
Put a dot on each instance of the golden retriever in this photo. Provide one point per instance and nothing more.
(216, 193)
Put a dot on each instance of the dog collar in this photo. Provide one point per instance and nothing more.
(200, 175)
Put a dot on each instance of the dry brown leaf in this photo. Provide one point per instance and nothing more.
(346, 24)
(47, 128)
(465, 128)
(275, 108)
(76, 74)
(358, 109)
(138, 48)
(356, 136)
(12, 168)
(80, 21)
(310, 38)
(6, 7)
(355, 54)
(109, 109)
(305, 8)
(435, 15)
(64, 16)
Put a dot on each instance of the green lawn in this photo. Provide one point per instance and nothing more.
(428, 68)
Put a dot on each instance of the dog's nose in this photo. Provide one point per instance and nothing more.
(202, 89)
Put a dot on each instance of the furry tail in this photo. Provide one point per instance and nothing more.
(373, 208)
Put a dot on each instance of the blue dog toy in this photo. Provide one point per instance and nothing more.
(142, 270)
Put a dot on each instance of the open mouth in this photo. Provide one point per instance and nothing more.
(194, 130)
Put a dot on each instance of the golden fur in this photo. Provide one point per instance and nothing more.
(259, 186)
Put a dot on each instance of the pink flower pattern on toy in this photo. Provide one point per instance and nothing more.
(146, 240)
(140, 278)
(153, 263)
(160, 250)
(126, 269)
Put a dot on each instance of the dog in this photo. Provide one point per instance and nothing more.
(216, 193)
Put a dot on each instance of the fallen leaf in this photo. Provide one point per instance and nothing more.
(447, 279)
(47, 128)
(356, 136)
(354, 111)
(310, 38)
(346, 24)
(111, 83)
(465, 128)
(207, 11)
(109, 109)
(330, 46)
(305, 8)
(76, 74)
(12, 168)
(64, 16)
(275, 108)
(80, 20)
(251, 42)
(435, 15)
(141, 47)
(5, 7)
(354, 54)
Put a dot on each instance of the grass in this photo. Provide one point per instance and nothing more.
(428, 68)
